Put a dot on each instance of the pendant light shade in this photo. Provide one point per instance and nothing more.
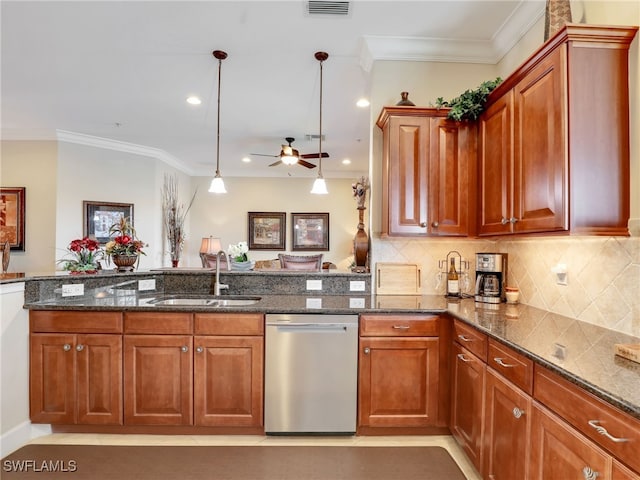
(320, 186)
(217, 184)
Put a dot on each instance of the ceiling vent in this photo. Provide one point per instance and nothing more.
(320, 7)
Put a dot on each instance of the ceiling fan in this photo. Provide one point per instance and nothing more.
(290, 156)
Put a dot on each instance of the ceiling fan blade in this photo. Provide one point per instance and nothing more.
(276, 163)
(315, 155)
(304, 163)
(264, 155)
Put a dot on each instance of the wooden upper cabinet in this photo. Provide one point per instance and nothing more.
(554, 148)
(428, 162)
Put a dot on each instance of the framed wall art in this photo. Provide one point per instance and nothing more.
(267, 230)
(310, 231)
(99, 216)
(12, 208)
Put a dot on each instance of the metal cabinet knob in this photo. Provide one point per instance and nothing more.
(184, 349)
(423, 224)
(66, 347)
(435, 224)
(504, 221)
(517, 413)
(199, 349)
(367, 350)
(80, 347)
(513, 219)
(589, 474)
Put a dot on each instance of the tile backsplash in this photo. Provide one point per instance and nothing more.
(603, 273)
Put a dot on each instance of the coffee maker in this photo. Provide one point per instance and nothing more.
(491, 277)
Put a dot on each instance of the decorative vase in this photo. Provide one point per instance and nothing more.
(242, 266)
(6, 255)
(125, 263)
(405, 102)
(361, 244)
(174, 263)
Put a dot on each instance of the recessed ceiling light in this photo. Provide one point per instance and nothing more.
(194, 100)
(346, 161)
(362, 103)
(246, 160)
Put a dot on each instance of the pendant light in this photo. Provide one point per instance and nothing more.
(319, 186)
(217, 184)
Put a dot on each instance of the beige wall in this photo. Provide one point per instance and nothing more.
(33, 164)
(225, 216)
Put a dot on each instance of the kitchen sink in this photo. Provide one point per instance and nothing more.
(203, 301)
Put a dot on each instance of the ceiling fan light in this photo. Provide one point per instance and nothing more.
(217, 185)
(319, 187)
(289, 159)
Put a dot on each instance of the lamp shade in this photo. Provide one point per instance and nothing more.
(210, 246)
(319, 187)
(217, 185)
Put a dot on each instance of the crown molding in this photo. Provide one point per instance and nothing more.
(119, 146)
(425, 49)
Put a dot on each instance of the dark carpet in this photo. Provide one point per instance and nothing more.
(101, 462)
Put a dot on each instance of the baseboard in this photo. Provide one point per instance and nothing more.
(20, 435)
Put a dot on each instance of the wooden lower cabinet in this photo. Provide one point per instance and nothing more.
(467, 401)
(76, 378)
(398, 382)
(158, 379)
(558, 451)
(228, 381)
(506, 430)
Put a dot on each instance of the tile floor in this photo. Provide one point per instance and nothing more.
(413, 441)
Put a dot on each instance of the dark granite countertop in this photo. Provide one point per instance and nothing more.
(588, 359)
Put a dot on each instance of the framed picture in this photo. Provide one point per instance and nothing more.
(99, 216)
(310, 231)
(267, 230)
(12, 217)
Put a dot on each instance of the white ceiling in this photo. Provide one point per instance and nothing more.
(117, 73)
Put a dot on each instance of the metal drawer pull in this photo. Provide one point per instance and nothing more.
(465, 339)
(66, 347)
(199, 349)
(184, 349)
(463, 358)
(367, 350)
(517, 412)
(603, 431)
(589, 474)
(80, 347)
(500, 362)
(401, 327)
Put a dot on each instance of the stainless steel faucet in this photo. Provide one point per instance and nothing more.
(220, 286)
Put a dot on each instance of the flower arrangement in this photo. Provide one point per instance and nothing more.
(86, 253)
(125, 241)
(238, 252)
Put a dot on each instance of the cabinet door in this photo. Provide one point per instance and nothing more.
(506, 430)
(467, 388)
(558, 451)
(540, 157)
(496, 167)
(452, 154)
(52, 378)
(398, 382)
(99, 377)
(620, 472)
(407, 150)
(228, 381)
(158, 379)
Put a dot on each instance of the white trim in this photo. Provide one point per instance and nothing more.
(7, 288)
(20, 435)
(117, 145)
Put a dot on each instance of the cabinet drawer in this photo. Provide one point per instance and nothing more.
(399, 325)
(471, 339)
(513, 366)
(51, 321)
(158, 323)
(588, 414)
(229, 324)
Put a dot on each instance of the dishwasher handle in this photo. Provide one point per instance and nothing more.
(309, 327)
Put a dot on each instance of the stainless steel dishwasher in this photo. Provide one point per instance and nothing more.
(311, 374)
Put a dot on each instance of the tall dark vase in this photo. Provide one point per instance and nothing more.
(361, 245)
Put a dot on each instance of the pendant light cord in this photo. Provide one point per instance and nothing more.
(320, 146)
(220, 55)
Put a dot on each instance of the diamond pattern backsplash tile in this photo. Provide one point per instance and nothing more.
(603, 273)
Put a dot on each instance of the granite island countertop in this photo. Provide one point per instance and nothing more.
(587, 357)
